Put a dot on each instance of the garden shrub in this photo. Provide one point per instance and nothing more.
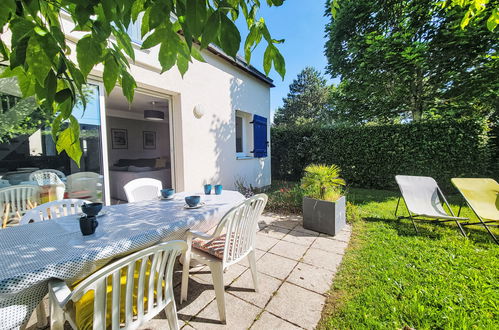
(370, 156)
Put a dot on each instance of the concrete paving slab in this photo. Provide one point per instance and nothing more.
(312, 278)
(243, 288)
(275, 265)
(323, 259)
(330, 245)
(269, 321)
(285, 305)
(289, 250)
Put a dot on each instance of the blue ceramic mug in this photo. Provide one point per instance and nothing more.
(167, 193)
(192, 200)
(207, 189)
(218, 189)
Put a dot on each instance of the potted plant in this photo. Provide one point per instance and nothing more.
(324, 206)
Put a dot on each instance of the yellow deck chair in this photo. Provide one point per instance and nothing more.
(482, 196)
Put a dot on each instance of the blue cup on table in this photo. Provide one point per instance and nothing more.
(218, 189)
(193, 200)
(167, 193)
(207, 189)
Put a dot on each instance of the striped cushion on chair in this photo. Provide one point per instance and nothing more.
(215, 247)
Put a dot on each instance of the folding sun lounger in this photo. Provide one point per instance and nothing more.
(482, 196)
(421, 197)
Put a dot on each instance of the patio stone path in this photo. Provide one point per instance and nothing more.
(295, 266)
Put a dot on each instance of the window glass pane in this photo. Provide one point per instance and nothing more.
(28, 153)
(239, 134)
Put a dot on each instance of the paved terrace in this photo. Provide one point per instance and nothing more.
(295, 266)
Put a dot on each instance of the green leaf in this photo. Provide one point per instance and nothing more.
(56, 126)
(267, 59)
(230, 39)
(128, 84)
(137, 7)
(167, 54)
(197, 54)
(196, 16)
(125, 43)
(7, 7)
(182, 64)
(211, 30)
(155, 38)
(88, 53)
(111, 70)
(37, 60)
(26, 83)
(69, 141)
(20, 28)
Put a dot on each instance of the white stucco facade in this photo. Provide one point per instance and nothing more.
(203, 149)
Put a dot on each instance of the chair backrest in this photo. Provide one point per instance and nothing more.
(53, 210)
(50, 176)
(19, 198)
(421, 195)
(83, 183)
(149, 272)
(482, 195)
(142, 189)
(239, 226)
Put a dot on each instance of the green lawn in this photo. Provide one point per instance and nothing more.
(392, 277)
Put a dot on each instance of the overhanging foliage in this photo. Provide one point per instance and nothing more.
(39, 55)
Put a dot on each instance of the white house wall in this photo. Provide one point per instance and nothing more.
(205, 148)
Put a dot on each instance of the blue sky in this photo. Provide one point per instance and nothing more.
(302, 24)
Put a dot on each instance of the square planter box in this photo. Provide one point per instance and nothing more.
(323, 216)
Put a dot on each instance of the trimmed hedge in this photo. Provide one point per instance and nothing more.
(371, 156)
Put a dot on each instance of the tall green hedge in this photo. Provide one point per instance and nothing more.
(371, 156)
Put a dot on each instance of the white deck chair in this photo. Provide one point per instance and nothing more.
(15, 201)
(51, 210)
(143, 189)
(421, 197)
(232, 240)
(133, 272)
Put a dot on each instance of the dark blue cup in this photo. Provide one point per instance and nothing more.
(91, 209)
(218, 189)
(207, 189)
(192, 200)
(88, 225)
(167, 193)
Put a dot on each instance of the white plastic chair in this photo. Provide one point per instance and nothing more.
(84, 185)
(15, 201)
(159, 294)
(42, 174)
(232, 240)
(51, 210)
(142, 189)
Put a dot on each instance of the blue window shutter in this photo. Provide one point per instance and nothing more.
(260, 136)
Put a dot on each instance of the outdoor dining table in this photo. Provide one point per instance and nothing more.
(32, 254)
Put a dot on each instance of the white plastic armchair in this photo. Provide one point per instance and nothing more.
(130, 272)
(51, 210)
(232, 240)
(142, 189)
(46, 174)
(15, 201)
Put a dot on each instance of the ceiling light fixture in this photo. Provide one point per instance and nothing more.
(152, 114)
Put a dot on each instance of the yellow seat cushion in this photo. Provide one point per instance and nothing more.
(84, 308)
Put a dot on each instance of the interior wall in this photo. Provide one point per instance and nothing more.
(135, 129)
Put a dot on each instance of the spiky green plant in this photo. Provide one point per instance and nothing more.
(322, 181)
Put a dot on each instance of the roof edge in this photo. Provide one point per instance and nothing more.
(241, 64)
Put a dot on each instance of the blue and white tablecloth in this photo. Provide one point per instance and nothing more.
(32, 254)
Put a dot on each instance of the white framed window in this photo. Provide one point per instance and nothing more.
(244, 135)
